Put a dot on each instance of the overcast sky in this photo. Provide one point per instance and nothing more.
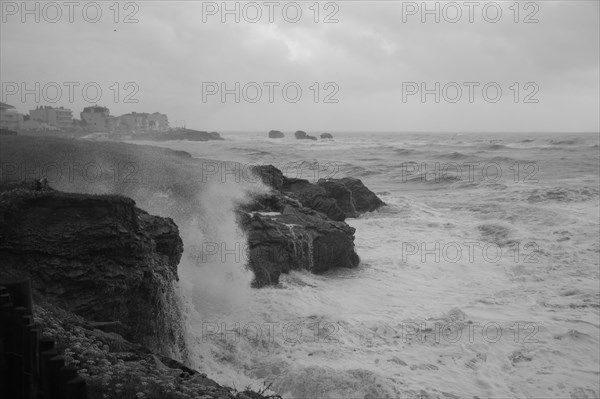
(373, 61)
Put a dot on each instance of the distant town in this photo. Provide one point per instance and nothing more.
(94, 119)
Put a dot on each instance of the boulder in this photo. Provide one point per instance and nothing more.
(326, 136)
(301, 135)
(98, 256)
(276, 134)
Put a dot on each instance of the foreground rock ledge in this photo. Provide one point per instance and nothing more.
(98, 256)
(103, 272)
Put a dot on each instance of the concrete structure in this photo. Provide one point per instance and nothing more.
(61, 118)
(9, 117)
(97, 119)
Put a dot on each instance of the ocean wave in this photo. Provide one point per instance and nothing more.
(564, 142)
(403, 151)
(454, 155)
(563, 194)
(496, 234)
(496, 147)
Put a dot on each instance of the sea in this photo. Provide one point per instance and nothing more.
(478, 279)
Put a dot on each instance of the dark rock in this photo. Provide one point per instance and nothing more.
(365, 200)
(300, 225)
(301, 135)
(98, 256)
(276, 134)
(342, 196)
(326, 136)
(283, 236)
(270, 175)
(313, 197)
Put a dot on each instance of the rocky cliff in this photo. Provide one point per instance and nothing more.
(98, 256)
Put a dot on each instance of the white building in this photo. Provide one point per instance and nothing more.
(9, 117)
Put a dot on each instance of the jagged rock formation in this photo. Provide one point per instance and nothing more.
(283, 235)
(300, 225)
(98, 256)
(301, 135)
(338, 199)
(361, 198)
(326, 136)
(342, 196)
(276, 134)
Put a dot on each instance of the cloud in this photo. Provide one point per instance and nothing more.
(369, 54)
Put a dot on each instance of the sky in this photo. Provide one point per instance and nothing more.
(464, 66)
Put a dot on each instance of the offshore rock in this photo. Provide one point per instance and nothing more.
(283, 235)
(276, 134)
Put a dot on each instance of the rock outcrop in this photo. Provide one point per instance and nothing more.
(276, 134)
(283, 235)
(338, 199)
(98, 256)
(300, 225)
(326, 136)
(301, 135)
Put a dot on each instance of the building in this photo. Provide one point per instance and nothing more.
(134, 123)
(61, 118)
(9, 117)
(97, 119)
(142, 122)
(158, 122)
